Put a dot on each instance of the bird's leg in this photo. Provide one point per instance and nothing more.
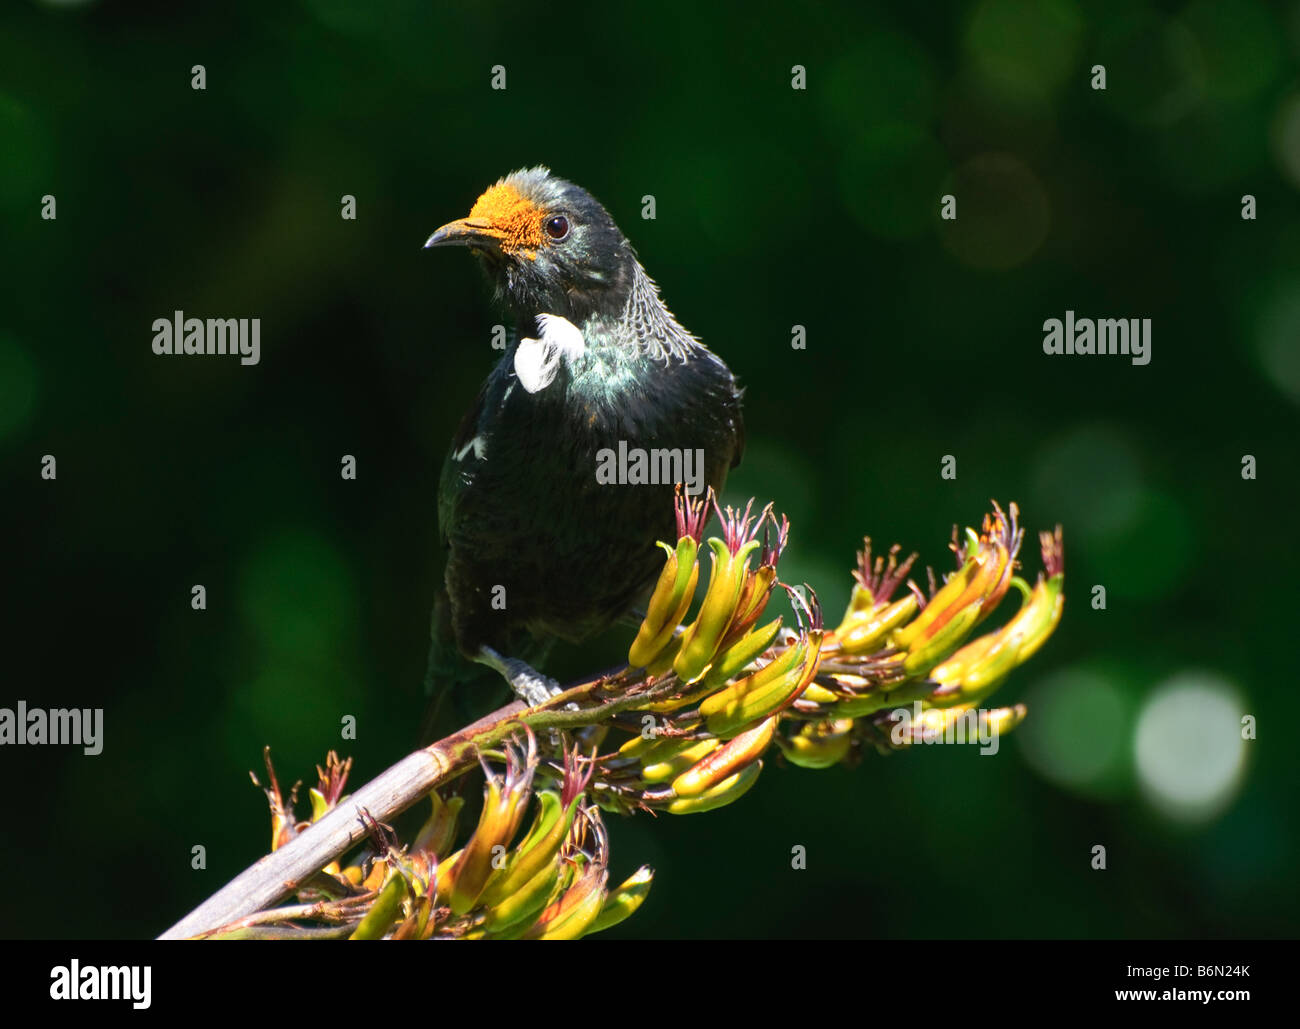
(530, 685)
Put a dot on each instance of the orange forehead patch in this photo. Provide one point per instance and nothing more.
(511, 217)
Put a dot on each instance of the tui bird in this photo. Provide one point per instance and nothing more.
(540, 544)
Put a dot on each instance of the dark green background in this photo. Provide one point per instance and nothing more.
(775, 207)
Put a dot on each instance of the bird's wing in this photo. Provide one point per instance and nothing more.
(739, 422)
(468, 450)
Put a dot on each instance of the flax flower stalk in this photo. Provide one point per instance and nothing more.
(685, 727)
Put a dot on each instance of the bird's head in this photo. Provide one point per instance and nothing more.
(548, 246)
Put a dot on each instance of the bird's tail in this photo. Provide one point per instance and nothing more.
(461, 691)
(458, 689)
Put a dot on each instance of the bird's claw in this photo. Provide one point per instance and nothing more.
(529, 685)
(533, 688)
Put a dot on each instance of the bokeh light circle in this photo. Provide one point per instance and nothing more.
(1188, 749)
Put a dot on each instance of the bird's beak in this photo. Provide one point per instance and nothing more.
(466, 232)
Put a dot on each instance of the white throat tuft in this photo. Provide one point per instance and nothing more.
(538, 360)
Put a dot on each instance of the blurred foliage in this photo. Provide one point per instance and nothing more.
(776, 207)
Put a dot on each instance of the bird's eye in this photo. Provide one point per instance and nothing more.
(557, 227)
